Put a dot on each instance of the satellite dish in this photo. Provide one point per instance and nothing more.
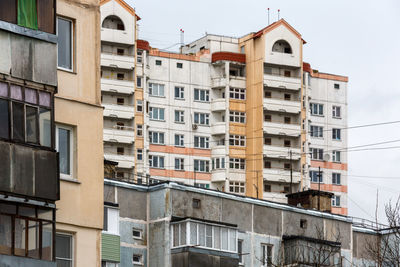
(327, 157)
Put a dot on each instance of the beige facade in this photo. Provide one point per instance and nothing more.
(78, 109)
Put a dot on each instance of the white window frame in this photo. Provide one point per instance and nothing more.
(151, 138)
(139, 127)
(335, 201)
(115, 224)
(206, 165)
(236, 93)
(317, 106)
(237, 140)
(237, 162)
(319, 152)
(181, 164)
(206, 95)
(336, 132)
(181, 92)
(71, 249)
(71, 148)
(181, 116)
(139, 103)
(336, 156)
(151, 113)
(158, 85)
(151, 161)
(181, 140)
(237, 116)
(218, 163)
(139, 153)
(72, 43)
(335, 176)
(140, 233)
(264, 255)
(198, 117)
(313, 174)
(206, 141)
(335, 112)
(240, 186)
(316, 131)
(137, 262)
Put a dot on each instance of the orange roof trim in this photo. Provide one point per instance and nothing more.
(124, 5)
(321, 75)
(195, 57)
(275, 25)
(229, 56)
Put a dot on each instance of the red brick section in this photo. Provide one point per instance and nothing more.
(230, 56)
(142, 44)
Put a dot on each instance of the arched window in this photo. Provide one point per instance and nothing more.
(113, 22)
(281, 46)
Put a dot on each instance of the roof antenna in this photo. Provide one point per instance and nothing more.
(268, 16)
(279, 12)
(182, 38)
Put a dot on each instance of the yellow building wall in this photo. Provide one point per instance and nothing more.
(78, 104)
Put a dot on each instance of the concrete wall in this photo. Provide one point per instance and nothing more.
(77, 104)
(14, 261)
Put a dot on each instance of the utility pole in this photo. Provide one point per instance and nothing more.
(319, 187)
(291, 171)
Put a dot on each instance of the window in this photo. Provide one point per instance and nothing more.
(267, 94)
(317, 109)
(179, 116)
(267, 164)
(201, 95)
(139, 105)
(237, 163)
(120, 150)
(286, 189)
(336, 112)
(317, 153)
(282, 46)
(303, 223)
(201, 165)
(286, 143)
(314, 177)
(158, 62)
(137, 259)
(156, 114)
(120, 101)
(179, 92)
(25, 115)
(266, 255)
(201, 142)
(139, 154)
(218, 163)
(201, 185)
(236, 187)
(139, 56)
(120, 51)
(267, 141)
(196, 203)
(316, 131)
(237, 140)
(109, 264)
(156, 89)
(139, 82)
(64, 251)
(65, 43)
(201, 234)
(156, 138)
(179, 164)
(336, 86)
(237, 93)
(120, 76)
(336, 177)
(287, 120)
(111, 220)
(336, 134)
(137, 233)
(267, 188)
(240, 251)
(64, 146)
(139, 129)
(267, 118)
(287, 73)
(336, 156)
(336, 201)
(156, 161)
(202, 118)
(179, 65)
(179, 140)
(287, 96)
(236, 116)
(113, 22)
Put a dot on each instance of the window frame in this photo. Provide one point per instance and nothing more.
(151, 137)
(139, 153)
(71, 248)
(181, 116)
(151, 114)
(313, 175)
(336, 156)
(237, 93)
(239, 162)
(206, 118)
(318, 106)
(206, 95)
(335, 201)
(240, 186)
(198, 145)
(237, 140)
(335, 110)
(336, 178)
(181, 164)
(71, 147)
(198, 165)
(151, 161)
(336, 134)
(181, 92)
(150, 89)
(181, 138)
(316, 131)
(319, 151)
(266, 259)
(72, 21)
(237, 116)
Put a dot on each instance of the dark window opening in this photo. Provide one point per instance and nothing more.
(286, 166)
(286, 189)
(287, 73)
(286, 143)
(267, 141)
(120, 150)
(287, 120)
(267, 188)
(120, 51)
(120, 101)
(267, 164)
(179, 65)
(303, 223)
(120, 76)
(158, 62)
(196, 203)
(287, 96)
(282, 46)
(267, 117)
(267, 94)
(113, 22)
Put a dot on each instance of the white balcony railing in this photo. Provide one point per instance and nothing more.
(218, 128)
(281, 152)
(280, 175)
(218, 176)
(118, 111)
(218, 104)
(119, 134)
(124, 161)
(117, 86)
(282, 128)
(117, 61)
(281, 105)
(283, 82)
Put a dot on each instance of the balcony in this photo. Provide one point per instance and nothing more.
(284, 59)
(32, 172)
(277, 128)
(117, 61)
(275, 196)
(218, 151)
(124, 135)
(281, 152)
(218, 176)
(237, 81)
(218, 104)
(280, 105)
(218, 82)
(117, 36)
(218, 128)
(117, 86)
(280, 175)
(282, 82)
(118, 111)
(124, 161)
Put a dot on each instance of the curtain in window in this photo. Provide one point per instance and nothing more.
(27, 14)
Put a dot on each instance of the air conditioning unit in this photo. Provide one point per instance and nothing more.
(194, 126)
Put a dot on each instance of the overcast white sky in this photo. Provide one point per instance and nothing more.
(358, 38)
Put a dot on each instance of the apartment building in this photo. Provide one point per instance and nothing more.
(29, 173)
(227, 113)
(171, 224)
(78, 134)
